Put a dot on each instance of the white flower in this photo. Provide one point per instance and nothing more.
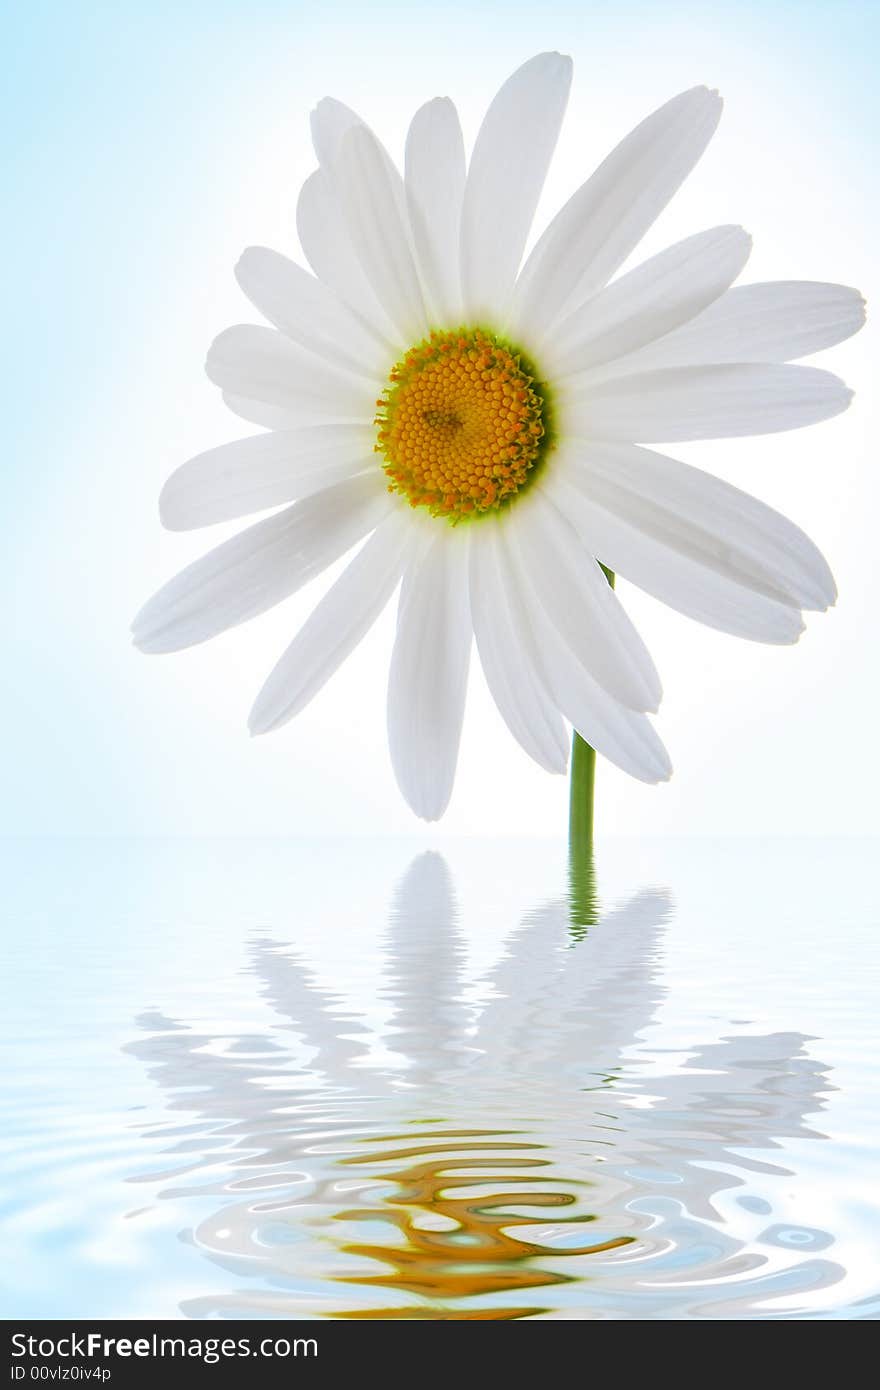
(479, 424)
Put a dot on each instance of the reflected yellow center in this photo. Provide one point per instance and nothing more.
(462, 425)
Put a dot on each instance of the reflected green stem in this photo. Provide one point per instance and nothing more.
(583, 898)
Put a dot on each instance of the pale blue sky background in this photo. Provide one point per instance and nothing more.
(146, 144)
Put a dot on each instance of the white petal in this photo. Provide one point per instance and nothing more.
(721, 558)
(261, 364)
(263, 565)
(681, 582)
(504, 642)
(507, 171)
(323, 234)
(753, 542)
(619, 734)
(678, 403)
(344, 615)
(773, 322)
(429, 670)
(331, 121)
(310, 313)
(648, 302)
(271, 417)
(435, 175)
(378, 231)
(263, 471)
(334, 246)
(592, 235)
(580, 603)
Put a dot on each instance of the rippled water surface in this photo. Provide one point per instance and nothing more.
(362, 1080)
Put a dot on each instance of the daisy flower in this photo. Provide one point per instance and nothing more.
(477, 423)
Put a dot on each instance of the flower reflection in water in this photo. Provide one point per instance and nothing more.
(493, 1152)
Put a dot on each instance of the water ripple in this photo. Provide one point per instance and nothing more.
(501, 1149)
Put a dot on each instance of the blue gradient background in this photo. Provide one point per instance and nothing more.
(146, 145)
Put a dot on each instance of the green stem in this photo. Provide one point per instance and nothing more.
(583, 783)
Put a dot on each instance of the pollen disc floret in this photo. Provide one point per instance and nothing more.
(463, 425)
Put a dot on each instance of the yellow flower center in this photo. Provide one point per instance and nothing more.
(463, 424)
